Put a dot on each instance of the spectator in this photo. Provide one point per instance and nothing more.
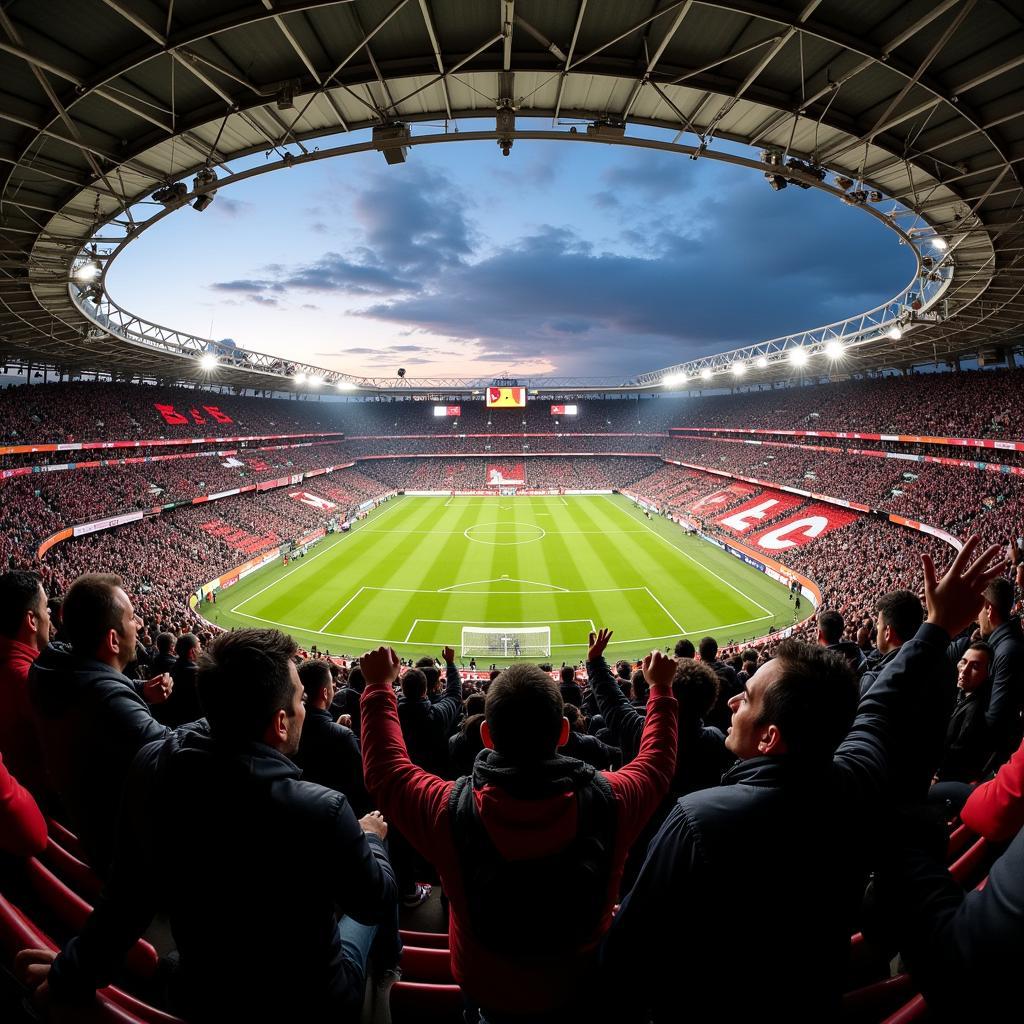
(183, 704)
(329, 752)
(968, 745)
(24, 633)
(22, 826)
(1004, 635)
(164, 660)
(808, 771)
(995, 809)
(569, 688)
(899, 617)
(508, 840)
(728, 684)
(236, 797)
(586, 748)
(830, 636)
(425, 725)
(685, 649)
(92, 720)
(465, 745)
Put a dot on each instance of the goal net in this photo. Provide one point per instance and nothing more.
(534, 642)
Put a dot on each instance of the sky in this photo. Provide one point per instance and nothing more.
(576, 260)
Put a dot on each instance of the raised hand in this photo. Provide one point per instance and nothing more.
(375, 824)
(954, 601)
(598, 642)
(380, 667)
(345, 720)
(449, 655)
(158, 689)
(659, 671)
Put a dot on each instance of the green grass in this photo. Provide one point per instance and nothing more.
(418, 569)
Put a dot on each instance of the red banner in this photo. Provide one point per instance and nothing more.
(175, 418)
(312, 500)
(805, 526)
(721, 499)
(963, 442)
(751, 514)
(506, 474)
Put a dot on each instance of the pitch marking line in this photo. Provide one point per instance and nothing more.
(340, 610)
(504, 579)
(308, 561)
(711, 572)
(523, 593)
(672, 618)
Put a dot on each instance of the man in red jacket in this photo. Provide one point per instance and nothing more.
(24, 633)
(531, 848)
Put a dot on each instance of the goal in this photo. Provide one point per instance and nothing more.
(532, 642)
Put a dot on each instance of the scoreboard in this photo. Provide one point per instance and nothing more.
(506, 398)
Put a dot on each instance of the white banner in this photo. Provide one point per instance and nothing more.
(106, 524)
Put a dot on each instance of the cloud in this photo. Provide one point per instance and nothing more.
(232, 208)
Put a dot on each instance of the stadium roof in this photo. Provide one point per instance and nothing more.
(104, 102)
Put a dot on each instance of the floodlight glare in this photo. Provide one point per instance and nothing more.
(87, 272)
(894, 332)
(739, 369)
(940, 243)
(208, 361)
(762, 363)
(835, 350)
(674, 380)
(706, 373)
(798, 356)
(300, 378)
(344, 385)
(315, 382)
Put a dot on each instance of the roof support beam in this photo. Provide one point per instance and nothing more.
(568, 59)
(655, 57)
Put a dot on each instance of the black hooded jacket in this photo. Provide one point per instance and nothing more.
(91, 721)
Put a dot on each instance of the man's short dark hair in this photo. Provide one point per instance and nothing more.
(244, 681)
(684, 648)
(987, 649)
(568, 675)
(414, 684)
(832, 625)
(524, 713)
(429, 669)
(901, 611)
(813, 702)
(475, 703)
(91, 610)
(19, 594)
(708, 648)
(999, 594)
(623, 669)
(164, 643)
(314, 675)
(187, 643)
(695, 685)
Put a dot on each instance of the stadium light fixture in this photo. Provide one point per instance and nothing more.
(345, 385)
(300, 378)
(762, 363)
(835, 350)
(940, 243)
(208, 361)
(798, 356)
(87, 272)
(739, 369)
(894, 333)
(673, 380)
(706, 373)
(314, 381)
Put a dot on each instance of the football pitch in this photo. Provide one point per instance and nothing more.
(418, 569)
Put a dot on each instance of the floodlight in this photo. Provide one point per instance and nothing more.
(674, 380)
(940, 243)
(87, 272)
(835, 350)
(314, 381)
(739, 369)
(894, 332)
(762, 363)
(345, 385)
(208, 361)
(706, 373)
(798, 356)
(300, 378)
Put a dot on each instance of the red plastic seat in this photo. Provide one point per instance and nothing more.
(420, 963)
(71, 911)
(912, 1012)
(870, 1002)
(960, 838)
(74, 872)
(430, 940)
(972, 866)
(414, 1002)
(66, 838)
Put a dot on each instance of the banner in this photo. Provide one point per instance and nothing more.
(105, 524)
(752, 513)
(506, 474)
(448, 410)
(564, 410)
(506, 398)
(805, 526)
(721, 499)
(313, 500)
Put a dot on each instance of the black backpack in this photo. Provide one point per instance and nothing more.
(533, 908)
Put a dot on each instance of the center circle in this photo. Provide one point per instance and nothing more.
(504, 534)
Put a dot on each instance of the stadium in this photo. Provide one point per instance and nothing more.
(308, 705)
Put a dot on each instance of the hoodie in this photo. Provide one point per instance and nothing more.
(91, 723)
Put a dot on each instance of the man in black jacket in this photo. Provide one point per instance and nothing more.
(164, 658)
(249, 860)
(728, 683)
(91, 719)
(426, 726)
(1006, 699)
(831, 627)
(777, 853)
(969, 743)
(899, 617)
(183, 704)
(329, 753)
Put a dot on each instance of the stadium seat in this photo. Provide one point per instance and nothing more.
(971, 867)
(912, 1012)
(414, 1002)
(71, 911)
(430, 940)
(420, 963)
(75, 873)
(872, 1002)
(960, 838)
(66, 838)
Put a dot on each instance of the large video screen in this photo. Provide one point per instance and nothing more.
(506, 398)
(504, 474)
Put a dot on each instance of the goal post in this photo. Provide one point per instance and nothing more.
(507, 642)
